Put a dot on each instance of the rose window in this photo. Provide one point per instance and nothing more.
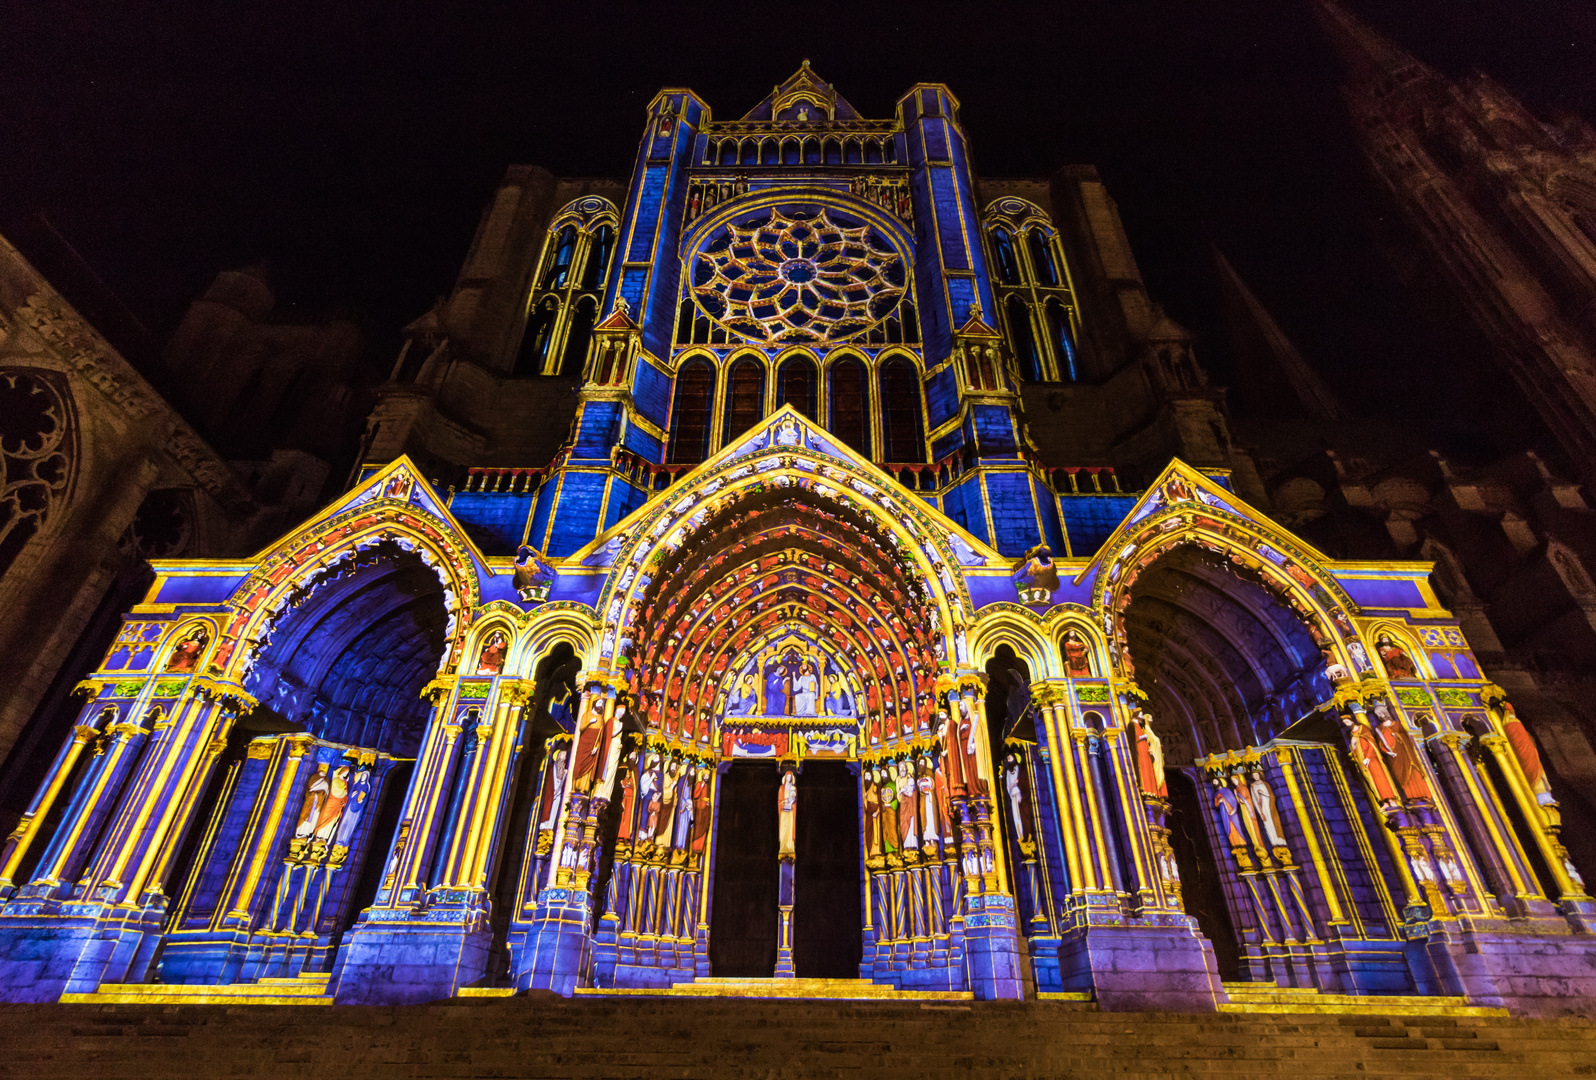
(794, 279)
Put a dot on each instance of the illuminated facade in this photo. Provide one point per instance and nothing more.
(796, 661)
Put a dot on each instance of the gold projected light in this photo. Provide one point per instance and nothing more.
(798, 279)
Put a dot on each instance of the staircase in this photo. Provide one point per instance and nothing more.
(788, 989)
(752, 1039)
(1251, 997)
(310, 989)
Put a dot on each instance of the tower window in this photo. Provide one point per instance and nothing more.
(695, 386)
(795, 386)
(745, 397)
(850, 404)
(576, 340)
(1058, 322)
(1042, 257)
(535, 341)
(560, 269)
(1008, 268)
(1023, 339)
(900, 411)
(598, 257)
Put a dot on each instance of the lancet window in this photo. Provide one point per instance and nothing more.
(690, 412)
(745, 397)
(568, 289)
(901, 429)
(795, 385)
(848, 388)
(1037, 305)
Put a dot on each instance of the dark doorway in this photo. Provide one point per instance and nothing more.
(826, 918)
(742, 922)
(1201, 891)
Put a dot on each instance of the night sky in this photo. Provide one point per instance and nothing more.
(354, 145)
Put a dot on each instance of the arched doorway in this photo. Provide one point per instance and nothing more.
(790, 629)
(1226, 664)
(310, 786)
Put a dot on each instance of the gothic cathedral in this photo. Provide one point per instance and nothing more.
(807, 565)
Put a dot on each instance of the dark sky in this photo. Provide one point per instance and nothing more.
(354, 145)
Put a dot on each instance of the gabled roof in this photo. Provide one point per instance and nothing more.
(1180, 482)
(804, 83)
(399, 479)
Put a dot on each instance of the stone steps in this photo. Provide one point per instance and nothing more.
(784, 989)
(1303, 1000)
(750, 1037)
(299, 990)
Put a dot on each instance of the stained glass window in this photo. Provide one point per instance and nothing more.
(798, 279)
(745, 399)
(900, 411)
(796, 385)
(695, 387)
(850, 404)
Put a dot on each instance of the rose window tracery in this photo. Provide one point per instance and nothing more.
(36, 454)
(798, 279)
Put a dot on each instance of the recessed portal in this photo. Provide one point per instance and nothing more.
(742, 926)
(827, 926)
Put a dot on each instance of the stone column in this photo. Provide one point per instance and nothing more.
(1502, 861)
(558, 940)
(1159, 960)
(1545, 820)
(991, 949)
(27, 830)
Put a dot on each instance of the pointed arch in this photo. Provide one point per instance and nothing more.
(902, 426)
(1019, 628)
(691, 410)
(848, 402)
(797, 384)
(745, 396)
(287, 573)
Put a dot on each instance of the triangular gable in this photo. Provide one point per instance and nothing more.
(1179, 483)
(975, 326)
(786, 427)
(400, 480)
(804, 79)
(619, 318)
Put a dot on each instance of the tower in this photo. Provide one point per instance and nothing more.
(1505, 205)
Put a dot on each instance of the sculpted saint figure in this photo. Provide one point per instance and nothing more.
(787, 809)
(1150, 758)
(1077, 657)
(1529, 758)
(1398, 664)
(1263, 801)
(186, 656)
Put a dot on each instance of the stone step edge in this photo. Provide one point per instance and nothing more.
(794, 988)
(1313, 1008)
(190, 999)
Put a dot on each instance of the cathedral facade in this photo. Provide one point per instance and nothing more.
(742, 593)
